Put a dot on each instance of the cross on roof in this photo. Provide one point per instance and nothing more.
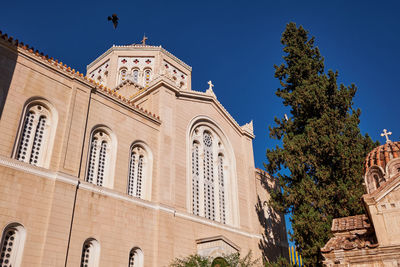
(211, 85)
(144, 39)
(386, 134)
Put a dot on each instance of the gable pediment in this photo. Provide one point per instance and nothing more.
(216, 246)
(128, 89)
(208, 96)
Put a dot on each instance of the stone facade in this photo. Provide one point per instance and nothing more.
(372, 239)
(101, 168)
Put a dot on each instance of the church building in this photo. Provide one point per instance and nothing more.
(124, 166)
(371, 239)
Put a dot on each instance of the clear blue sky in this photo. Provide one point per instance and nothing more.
(235, 44)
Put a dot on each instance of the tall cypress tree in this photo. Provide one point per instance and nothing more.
(323, 150)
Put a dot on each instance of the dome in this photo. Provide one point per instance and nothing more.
(381, 165)
(381, 155)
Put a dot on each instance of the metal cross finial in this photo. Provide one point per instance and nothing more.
(386, 134)
(144, 39)
(211, 85)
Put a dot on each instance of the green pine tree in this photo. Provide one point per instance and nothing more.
(323, 149)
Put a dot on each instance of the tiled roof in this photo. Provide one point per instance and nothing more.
(381, 155)
(350, 223)
(71, 72)
(353, 232)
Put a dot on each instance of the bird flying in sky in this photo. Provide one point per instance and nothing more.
(114, 20)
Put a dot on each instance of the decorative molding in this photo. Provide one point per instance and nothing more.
(58, 176)
(138, 47)
(248, 127)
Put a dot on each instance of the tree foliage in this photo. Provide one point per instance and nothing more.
(232, 260)
(323, 150)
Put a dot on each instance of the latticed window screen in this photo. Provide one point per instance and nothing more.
(11, 246)
(85, 259)
(139, 177)
(34, 135)
(102, 163)
(208, 184)
(136, 258)
(221, 188)
(8, 248)
(132, 258)
(195, 180)
(98, 158)
(90, 253)
(131, 184)
(208, 164)
(136, 172)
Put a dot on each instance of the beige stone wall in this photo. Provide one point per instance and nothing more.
(42, 200)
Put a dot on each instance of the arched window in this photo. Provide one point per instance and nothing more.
(376, 180)
(12, 245)
(212, 175)
(147, 77)
(90, 253)
(123, 72)
(99, 169)
(36, 134)
(135, 75)
(136, 258)
(139, 178)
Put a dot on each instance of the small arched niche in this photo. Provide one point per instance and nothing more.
(393, 167)
(374, 179)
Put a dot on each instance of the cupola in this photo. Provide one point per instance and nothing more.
(382, 163)
(140, 64)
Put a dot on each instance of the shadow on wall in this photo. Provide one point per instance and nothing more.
(8, 60)
(274, 242)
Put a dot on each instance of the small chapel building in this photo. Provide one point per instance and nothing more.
(125, 166)
(371, 239)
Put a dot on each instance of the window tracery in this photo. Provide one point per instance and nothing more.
(136, 258)
(34, 141)
(12, 245)
(99, 157)
(90, 253)
(208, 175)
(139, 177)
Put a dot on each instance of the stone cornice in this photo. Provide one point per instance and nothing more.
(65, 178)
(138, 47)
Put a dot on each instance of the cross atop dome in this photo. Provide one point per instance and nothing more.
(386, 134)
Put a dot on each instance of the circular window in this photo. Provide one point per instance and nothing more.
(207, 139)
